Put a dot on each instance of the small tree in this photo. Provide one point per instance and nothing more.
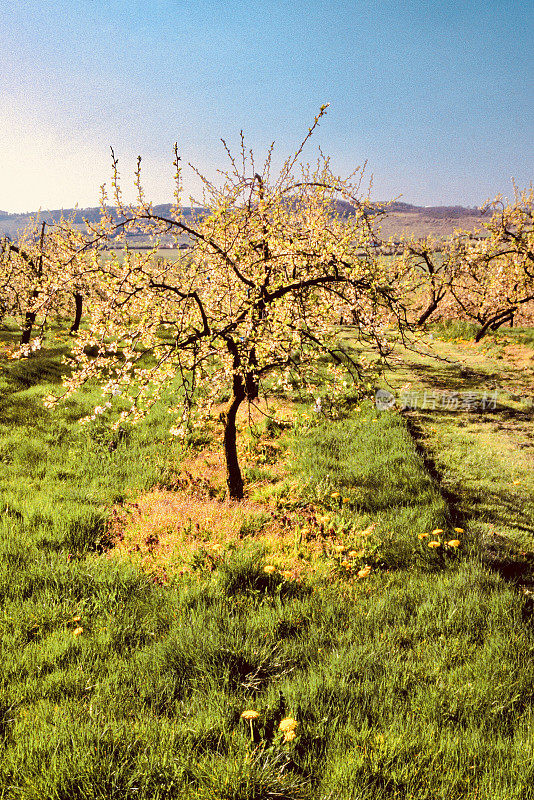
(427, 269)
(273, 266)
(495, 279)
(25, 271)
(42, 273)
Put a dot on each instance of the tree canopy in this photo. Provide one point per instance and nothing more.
(274, 265)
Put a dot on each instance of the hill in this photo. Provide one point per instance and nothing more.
(12, 224)
(404, 219)
(400, 219)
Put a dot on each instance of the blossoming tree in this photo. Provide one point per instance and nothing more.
(24, 271)
(495, 278)
(45, 271)
(426, 269)
(273, 266)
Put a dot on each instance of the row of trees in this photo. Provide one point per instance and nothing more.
(484, 276)
(47, 271)
(252, 307)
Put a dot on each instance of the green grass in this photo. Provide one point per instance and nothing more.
(448, 330)
(484, 459)
(371, 460)
(415, 682)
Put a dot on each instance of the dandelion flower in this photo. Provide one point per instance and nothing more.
(437, 531)
(335, 495)
(454, 543)
(345, 563)
(422, 535)
(339, 548)
(355, 553)
(288, 724)
(364, 572)
(459, 530)
(434, 544)
(289, 736)
(250, 714)
(76, 619)
(287, 574)
(77, 631)
(269, 569)
(346, 499)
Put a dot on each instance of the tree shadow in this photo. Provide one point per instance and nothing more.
(498, 508)
(453, 377)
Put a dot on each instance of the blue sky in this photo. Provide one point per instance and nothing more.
(437, 97)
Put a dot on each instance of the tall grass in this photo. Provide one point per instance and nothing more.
(416, 681)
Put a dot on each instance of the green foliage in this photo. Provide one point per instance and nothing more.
(450, 329)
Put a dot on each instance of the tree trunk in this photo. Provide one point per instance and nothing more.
(78, 299)
(28, 325)
(31, 315)
(234, 479)
(508, 317)
(428, 311)
(495, 322)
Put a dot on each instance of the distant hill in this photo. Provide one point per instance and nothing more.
(401, 219)
(456, 212)
(81, 214)
(12, 224)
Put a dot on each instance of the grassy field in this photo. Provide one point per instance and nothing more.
(142, 614)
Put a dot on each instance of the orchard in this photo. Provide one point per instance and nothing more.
(254, 304)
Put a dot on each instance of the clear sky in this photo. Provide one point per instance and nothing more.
(438, 97)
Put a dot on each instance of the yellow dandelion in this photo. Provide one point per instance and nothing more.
(364, 572)
(76, 619)
(454, 543)
(288, 724)
(345, 563)
(250, 714)
(289, 736)
(355, 553)
(437, 531)
(287, 574)
(346, 499)
(422, 535)
(335, 495)
(77, 631)
(339, 548)
(269, 569)
(459, 530)
(434, 544)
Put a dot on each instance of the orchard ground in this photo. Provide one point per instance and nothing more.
(143, 613)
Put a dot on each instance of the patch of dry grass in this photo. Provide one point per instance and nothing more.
(170, 533)
(189, 524)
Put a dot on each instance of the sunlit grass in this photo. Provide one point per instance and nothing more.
(414, 679)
